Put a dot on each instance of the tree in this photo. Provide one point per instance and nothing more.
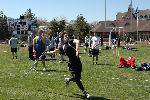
(57, 25)
(29, 15)
(4, 34)
(81, 26)
(69, 29)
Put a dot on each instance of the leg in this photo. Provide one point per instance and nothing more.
(80, 85)
(13, 54)
(93, 56)
(12, 51)
(96, 59)
(36, 56)
(30, 53)
(33, 68)
(15, 51)
(75, 77)
(16, 55)
(43, 62)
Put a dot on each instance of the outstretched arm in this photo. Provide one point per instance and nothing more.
(77, 42)
(53, 52)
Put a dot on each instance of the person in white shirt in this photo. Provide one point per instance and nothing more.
(13, 44)
(95, 47)
(90, 49)
(30, 46)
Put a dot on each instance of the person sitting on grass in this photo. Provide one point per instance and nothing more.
(71, 49)
(129, 62)
(143, 67)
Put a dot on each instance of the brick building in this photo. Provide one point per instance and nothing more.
(131, 23)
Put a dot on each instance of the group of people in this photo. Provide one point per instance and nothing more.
(41, 45)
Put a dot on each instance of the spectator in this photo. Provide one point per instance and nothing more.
(39, 46)
(13, 44)
(30, 46)
(95, 47)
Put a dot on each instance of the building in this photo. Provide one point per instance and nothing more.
(133, 23)
(20, 27)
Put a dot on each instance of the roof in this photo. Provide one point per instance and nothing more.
(128, 26)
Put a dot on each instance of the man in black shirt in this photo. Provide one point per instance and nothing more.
(71, 49)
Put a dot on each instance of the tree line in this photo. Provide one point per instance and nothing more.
(77, 27)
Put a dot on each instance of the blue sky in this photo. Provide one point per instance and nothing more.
(92, 10)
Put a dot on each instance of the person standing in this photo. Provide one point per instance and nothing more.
(71, 49)
(60, 44)
(13, 44)
(30, 46)
(39, 47)
(86, 40)
(95, 47)
(51, 44)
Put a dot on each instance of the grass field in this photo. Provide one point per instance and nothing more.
(103, 81)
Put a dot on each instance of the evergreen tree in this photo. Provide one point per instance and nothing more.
(4, 34)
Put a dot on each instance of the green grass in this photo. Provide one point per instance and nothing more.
(103, 81)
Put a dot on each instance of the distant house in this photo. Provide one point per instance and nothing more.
(20, 27)
(126, 24)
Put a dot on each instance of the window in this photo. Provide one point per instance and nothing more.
(141, 16)
(146, 16)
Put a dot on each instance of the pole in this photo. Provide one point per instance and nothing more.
(137, 25)
(131, 16)
(110, 37)
(105, 13)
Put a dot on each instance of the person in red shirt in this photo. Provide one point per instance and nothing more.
(129, 62)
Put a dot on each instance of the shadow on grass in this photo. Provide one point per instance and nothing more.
(50, 59)
(91, 97)
(106, 64)
(81, 96)
(51, 70)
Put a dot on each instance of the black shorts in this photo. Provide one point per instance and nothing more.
(75, 65)
(76, 76)
(13, 49)
(95, 52)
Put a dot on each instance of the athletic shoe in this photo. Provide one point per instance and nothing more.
(33, 69)
(60, 61)
(86, 95)
(96, 63)
(67, 81)
(44, 69)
